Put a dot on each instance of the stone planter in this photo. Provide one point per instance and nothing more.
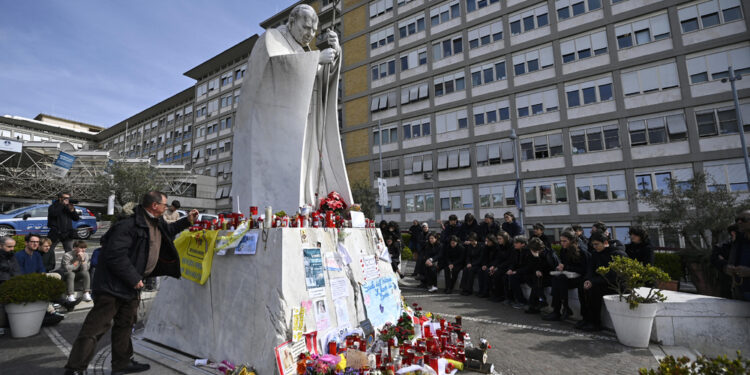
(25, 319)
(633, 327)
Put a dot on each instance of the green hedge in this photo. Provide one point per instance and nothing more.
(670, 263)
(406, 253)
(20, 243)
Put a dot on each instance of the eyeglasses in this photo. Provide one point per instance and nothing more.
(32, 241)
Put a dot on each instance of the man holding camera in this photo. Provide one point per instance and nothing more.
(60, 216)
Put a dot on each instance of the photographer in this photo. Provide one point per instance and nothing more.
(60, 216)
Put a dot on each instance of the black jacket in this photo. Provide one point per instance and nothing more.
(60, 221)
(602, 259)
(415, 230)
(720, 256)
(642, 252)
(433, 251)
(475, 255)
(575, 263)
(505, 257)
(513, 228)
(544, 263)
(487, 229)
(453, 255)
(395, 252)
(8, 265)
(122, 261)
(465, 229)
(545, 239)
(450, 230)
(49, 260)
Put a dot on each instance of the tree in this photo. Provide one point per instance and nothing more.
(364, 195)
(129, 181)
(699, 214)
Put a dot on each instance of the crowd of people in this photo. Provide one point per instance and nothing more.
(502, 258)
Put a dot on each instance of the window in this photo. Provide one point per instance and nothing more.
(410, 26)
(213, 84)
(720, 121)
(528, 20)
(447, 48)
(599, 188)
(390, 168)
(450, 83)
(445, 12)
(589, 92)
(594, 139)
(226, 100)
(486, 34)
(240, 72)
(726, 176)
(660, 180)
(201, 89)
(494, 153)
(537, 103)
(380, 7)
(389, 135)
(584, 47)
(415, 164)
(420, 201)
(655, 78)
(714, 66)
(492, 112)
(225, 146)
(416, 128)
(531, 61)
(456, 199)
(213, 106)
(642, 31)
(383, 102)
(472, 5)
(497, 195)
(657, 130)
(541, 146)
(710, 13)
(451, 121)
(201, 111)
(383, 69)
(572, 8)
(394, 204)
(381, 37)
(226, 79)
(225, 123)
(415, 93)
(210, 129)
(413, 59)
(456, 158)
(488, 73)
(545, 192)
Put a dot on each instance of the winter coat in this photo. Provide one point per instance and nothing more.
(575, 263)
(49, 261)
(475, 255)
(544, 263)
(395, 252)
(602, 259)
(71, 257)
(433, 251)
(450, 230)
(642, 252)
(513, 228)
(30, 264)
(453, 255)
(8, 265)
(545, 240)
(739, 255)
(60, 221)
(124, 254)
(505, 257)
(466, 229)
(487, 229)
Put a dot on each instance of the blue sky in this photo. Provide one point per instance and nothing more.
(101, 61)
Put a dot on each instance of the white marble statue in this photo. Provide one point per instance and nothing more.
(286, 138)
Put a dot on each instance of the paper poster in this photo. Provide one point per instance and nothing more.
(316, 293)
(382, 301)
(331, 263)
(356, 359)
(342, 312)
(248, 244)
(298, 323)
(307, 305)
(230, 239)
(345, 257)
(358, 219)
(339, 287)
(314, 273)
(385, 256)
(286, 356)
(322, 318)
(370, 269)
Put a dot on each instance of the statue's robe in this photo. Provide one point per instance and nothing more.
(286, 138)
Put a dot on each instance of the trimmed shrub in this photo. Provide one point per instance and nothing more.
(20, 243)
(670, 263)
(406, 254)
(31, 287)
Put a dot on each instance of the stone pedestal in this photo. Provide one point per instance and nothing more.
(245, 308)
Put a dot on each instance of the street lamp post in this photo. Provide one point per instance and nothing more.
(736, 77)
(519, 182)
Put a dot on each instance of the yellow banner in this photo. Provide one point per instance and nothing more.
(196, 251)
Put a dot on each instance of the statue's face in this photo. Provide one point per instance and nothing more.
(303, 28)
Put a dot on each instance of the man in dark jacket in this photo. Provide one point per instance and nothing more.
(476, 256)
(595, 285)
(8, 264)
(488, 226)
(450, 230)
(416, 232)
(60, 216)
(538, 232)
(720, 260)
(738, 263)
(540, 261)
(468, 227)
(134, 248)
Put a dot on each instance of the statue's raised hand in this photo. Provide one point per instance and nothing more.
(327, 56)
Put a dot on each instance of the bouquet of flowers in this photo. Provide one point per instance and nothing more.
(333, 202)
(327, 364)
